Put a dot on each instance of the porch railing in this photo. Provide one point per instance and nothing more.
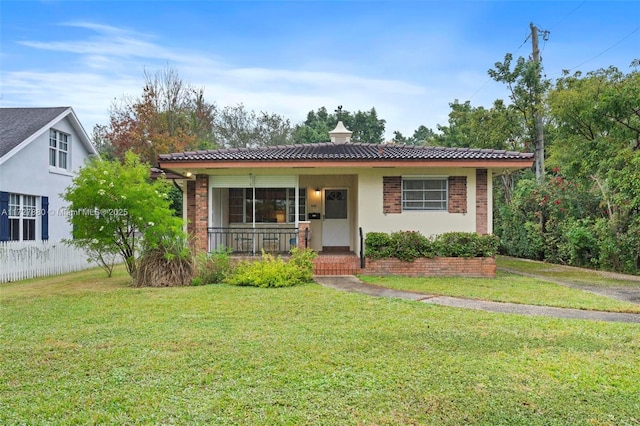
(253, 240)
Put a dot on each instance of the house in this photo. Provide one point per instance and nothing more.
(326, 195)
(40, 149)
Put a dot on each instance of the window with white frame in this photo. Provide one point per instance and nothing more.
(22, 217)
(59, 149)
(272, 205)
(422, 193)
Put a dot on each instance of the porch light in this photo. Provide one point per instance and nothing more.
(317, 191)
(188, 174)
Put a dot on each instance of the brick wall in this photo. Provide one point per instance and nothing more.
(482, 210)
(436, 267)
(191, 207)
(200, 213)
(392, 194)
(457, 194)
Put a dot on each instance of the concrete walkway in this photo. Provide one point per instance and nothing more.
(353, 284)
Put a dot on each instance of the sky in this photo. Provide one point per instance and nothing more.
(408, 59)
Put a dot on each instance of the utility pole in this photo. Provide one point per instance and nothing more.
(539, 147)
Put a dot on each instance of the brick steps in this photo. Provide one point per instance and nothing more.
(336, 265)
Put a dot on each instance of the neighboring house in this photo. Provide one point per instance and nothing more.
(40, 149)
(263, 198)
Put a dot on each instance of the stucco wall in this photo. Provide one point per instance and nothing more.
(28, 172)
(372, 217)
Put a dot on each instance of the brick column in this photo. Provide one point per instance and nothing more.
(457, 194)
(191, 207)
(200, 213)
(302, 227)
(482, 210)
(391, 194)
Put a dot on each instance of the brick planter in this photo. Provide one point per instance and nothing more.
(435, 267)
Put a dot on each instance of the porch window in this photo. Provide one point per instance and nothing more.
(424, 193)
(272, 205)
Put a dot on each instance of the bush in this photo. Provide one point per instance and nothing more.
(213, 267)
(378, 245)
(167, 265)
(408, 246)
(466, 244)
(273, 271)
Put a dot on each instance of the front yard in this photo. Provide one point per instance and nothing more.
(83, 349)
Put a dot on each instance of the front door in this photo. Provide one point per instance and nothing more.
(335, 226)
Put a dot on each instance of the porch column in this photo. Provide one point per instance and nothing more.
(200, 214)
(482, 206)
(302, 227)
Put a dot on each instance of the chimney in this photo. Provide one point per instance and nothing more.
(340, 133)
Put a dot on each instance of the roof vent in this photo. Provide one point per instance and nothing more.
(340, 133)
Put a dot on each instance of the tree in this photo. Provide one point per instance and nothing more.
(170, 116)
(116, 208)
(100, 139)
(237, 127)
(365, 125)
(528, 91)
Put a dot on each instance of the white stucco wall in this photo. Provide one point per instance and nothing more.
(372, 218)
(28, 172)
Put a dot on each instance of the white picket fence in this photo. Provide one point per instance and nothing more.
(20, 260)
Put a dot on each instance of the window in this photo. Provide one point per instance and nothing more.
(58, 149)
(22, 217)
(272, 205)
(424, 193)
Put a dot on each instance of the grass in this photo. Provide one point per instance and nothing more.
(507, 288)
(84, 349)
(560, 272)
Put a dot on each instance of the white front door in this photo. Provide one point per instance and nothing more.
(335, 226)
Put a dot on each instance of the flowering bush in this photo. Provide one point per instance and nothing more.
(115, 208)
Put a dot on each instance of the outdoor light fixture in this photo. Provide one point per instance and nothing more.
(317, 191)
(188, 174)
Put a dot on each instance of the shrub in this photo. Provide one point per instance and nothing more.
(166, 265)
(408, 246)
(213, 267)
(378, 245)
(466, 244)
(273, 271)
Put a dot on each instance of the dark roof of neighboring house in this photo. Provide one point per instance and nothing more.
(17, 124)
(347, 151)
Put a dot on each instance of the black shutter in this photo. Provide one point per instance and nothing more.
(45, 218)
(4, 216)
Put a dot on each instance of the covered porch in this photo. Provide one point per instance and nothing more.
(249, 213)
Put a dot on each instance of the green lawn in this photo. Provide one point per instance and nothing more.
(83, 349)
(507, 288)
(577, 275)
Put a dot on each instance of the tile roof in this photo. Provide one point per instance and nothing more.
(17, 124)
(344, 151)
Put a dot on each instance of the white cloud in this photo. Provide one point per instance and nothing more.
(111, 63)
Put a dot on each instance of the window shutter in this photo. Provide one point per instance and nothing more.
(4, 216)
(45, 217)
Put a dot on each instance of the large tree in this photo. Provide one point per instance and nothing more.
(365, 125)
(169, 116)
(527, 93)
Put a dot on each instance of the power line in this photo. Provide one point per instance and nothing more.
(604, 51)
(567, 15)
